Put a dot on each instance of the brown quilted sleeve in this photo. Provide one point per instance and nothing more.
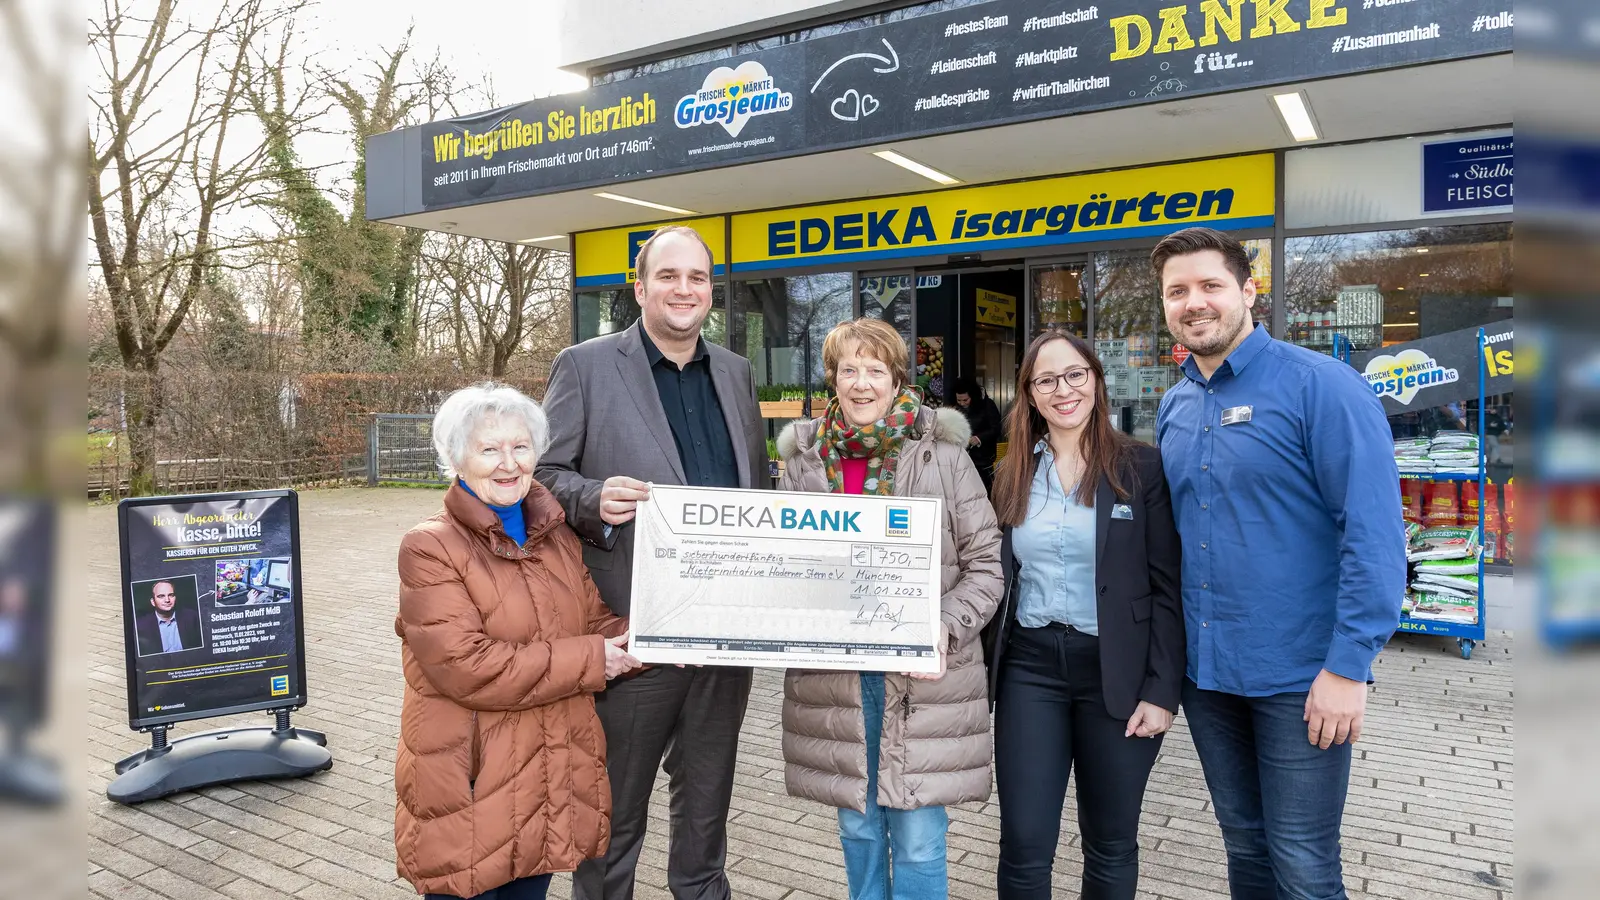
(444, 630)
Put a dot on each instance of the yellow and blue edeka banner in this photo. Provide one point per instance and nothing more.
(1232, 194)
(607, 257)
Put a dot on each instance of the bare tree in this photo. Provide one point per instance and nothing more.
(271, 290)
(493, 296)
(160, 180)
(358, 277)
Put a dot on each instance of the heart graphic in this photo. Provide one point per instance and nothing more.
(856, 106)
(1388, 374)
(733, 81)
(852, 101)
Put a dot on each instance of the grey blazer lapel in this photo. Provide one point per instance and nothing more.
(634, 366)
(728, 398)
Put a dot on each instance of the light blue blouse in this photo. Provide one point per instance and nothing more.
(1055, 545)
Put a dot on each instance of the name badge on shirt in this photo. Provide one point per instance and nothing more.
(1234, 415)
(1122, 511)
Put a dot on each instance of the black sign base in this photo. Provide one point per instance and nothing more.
(218, 757)
(29, 779)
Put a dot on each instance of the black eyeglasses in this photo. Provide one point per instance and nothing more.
(1046, 384)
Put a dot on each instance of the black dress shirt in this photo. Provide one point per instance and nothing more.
(689, 398)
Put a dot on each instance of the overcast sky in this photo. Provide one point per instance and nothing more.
(516, 43)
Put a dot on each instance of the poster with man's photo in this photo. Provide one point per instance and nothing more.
(211, 605)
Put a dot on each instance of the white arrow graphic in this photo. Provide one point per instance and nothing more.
(892, 61)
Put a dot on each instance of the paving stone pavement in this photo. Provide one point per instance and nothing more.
(1429, 816)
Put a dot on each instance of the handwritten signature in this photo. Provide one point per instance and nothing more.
(883, 612)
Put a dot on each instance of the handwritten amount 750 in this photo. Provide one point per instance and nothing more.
(886, 557)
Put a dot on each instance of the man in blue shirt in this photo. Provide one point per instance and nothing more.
(1287, 501)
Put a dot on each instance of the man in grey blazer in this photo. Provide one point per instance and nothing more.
(655, 403)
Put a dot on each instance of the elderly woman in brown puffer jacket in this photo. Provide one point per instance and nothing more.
(891, 750)
(501, 771)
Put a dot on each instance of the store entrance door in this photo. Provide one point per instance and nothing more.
(968, 325)
(996, 301)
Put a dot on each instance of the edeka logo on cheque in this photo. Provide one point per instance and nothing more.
(1401, 376)
(729, 97)
(779, 516)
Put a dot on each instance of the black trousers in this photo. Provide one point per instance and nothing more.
(1050, 716)
(688, 721)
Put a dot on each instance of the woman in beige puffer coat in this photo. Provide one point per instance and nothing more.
(928, 742)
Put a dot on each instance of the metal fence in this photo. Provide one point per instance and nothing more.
(400, 449)
(224, 430)
(109, 477)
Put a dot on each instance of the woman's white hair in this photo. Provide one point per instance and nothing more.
(466, 410)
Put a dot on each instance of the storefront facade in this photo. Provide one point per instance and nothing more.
(968, 275)
(1069, 141)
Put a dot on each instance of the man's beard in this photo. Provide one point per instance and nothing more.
(1228, 329)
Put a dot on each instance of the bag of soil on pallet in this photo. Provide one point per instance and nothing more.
(1452, 542)
(1459, 585)
(1467, 566)
(1447, 607)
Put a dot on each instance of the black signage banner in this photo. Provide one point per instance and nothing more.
(988, 64)
(1441, 369)
(212, 605)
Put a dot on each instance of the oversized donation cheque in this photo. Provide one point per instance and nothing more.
(773, 578)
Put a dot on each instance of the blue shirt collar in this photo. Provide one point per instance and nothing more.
(1248, 349)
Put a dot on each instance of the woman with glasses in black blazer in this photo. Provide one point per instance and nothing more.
(1087, 651)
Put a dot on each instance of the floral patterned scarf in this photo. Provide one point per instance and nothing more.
(879, 443)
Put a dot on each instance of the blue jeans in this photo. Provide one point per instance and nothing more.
(914, 838)
(1278, 798)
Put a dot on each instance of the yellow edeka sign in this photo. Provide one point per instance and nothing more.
(607, 257)
(995, 308)
(1234, 193)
